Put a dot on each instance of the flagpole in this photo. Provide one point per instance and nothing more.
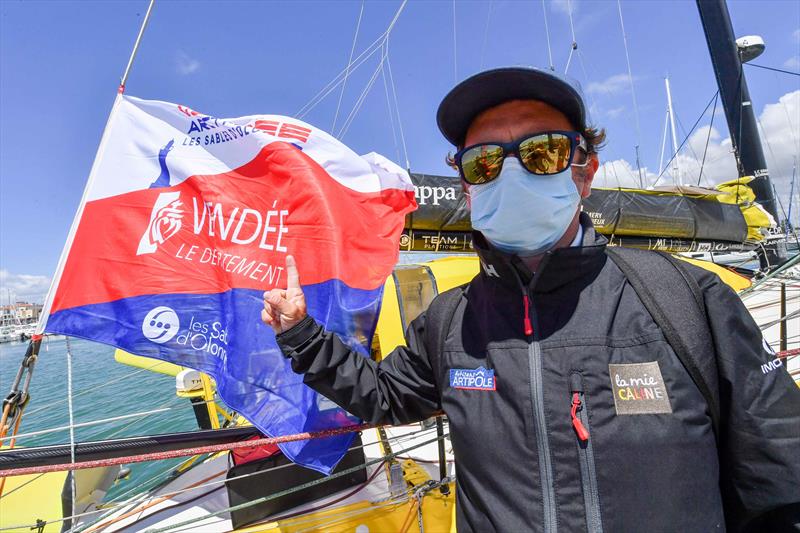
(124, 78)
(48, 302)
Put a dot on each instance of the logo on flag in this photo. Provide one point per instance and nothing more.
(214, 227)
(165, 221)
(160, 324)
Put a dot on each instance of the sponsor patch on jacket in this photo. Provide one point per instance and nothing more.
(472, 379)
(639, 389)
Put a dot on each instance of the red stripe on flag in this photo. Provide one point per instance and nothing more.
(332, 230)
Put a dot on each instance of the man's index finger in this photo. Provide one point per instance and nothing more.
(292, 276)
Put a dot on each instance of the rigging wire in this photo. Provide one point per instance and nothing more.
(574, 45)
(360, 100)
(72, 426)
(633, 89)
(773, 68)
(683, 131)
(363, 56)
(486, 31)
(347, 69)
(98, 387)
(547, 33)
(391, 114)
(708, 138)
(334, 83)
(455, 47)
(686, 138)
(397, 108)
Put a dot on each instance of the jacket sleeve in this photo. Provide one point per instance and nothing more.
(760, 420)
(398, 390)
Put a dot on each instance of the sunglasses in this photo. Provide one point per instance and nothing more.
(543, 154)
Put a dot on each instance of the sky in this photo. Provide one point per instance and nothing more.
(60, 64)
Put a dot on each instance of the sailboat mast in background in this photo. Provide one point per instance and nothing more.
(727, 61)
(728, 56)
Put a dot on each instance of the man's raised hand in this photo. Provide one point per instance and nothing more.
(283, 308)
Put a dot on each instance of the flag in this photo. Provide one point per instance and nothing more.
(185, 222)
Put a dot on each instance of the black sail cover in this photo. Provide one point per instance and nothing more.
(669, 222)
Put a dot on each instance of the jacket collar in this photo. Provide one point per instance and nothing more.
(558, 267)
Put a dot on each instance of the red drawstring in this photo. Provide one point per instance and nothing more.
(527, 321)
(580, 429)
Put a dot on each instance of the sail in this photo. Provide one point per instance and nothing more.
(187, 219)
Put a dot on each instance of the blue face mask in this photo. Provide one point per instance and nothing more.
(522, 213)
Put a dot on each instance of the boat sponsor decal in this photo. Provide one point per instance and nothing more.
(473, 379)
(188, 218)
(639, 389)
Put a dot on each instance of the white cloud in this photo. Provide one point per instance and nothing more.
(796, 35)
(24, 287)
(564, 6)
(615, 111)
(780, 137)
(792, 63)
(186, 64)
(611, 85)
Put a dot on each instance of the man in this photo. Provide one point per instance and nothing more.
(590, 421)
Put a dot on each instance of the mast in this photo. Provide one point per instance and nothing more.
(675, 168)
(736, 100)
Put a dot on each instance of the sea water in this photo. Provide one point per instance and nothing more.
(95, 397)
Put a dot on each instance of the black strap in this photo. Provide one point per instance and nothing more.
(674, 300)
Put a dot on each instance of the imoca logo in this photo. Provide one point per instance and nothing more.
(160, 324)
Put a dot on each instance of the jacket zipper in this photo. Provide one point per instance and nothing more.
(549, 521)
(580, 422)
(543, 443)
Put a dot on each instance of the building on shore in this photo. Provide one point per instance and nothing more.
(19, 313)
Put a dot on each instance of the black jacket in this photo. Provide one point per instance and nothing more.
(650, 462)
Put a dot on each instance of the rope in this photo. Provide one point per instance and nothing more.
(347, 69)
(297, 488)
(783, 268)
(139, 458)
(398, 439)
(787, 353)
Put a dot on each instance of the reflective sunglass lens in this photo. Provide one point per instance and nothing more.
(482, 164)
(545, 154)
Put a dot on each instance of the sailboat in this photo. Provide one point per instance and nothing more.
(392, 478)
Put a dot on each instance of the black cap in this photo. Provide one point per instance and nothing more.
(493, 87)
